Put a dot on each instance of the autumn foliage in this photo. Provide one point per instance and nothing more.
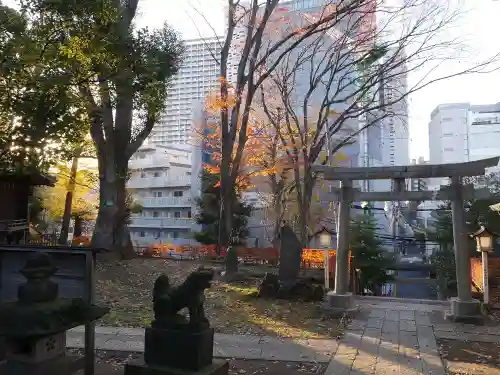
(262, 154)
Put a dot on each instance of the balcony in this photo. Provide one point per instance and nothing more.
(166, 202)
(151, 162)
(158, 182)
(150, 222)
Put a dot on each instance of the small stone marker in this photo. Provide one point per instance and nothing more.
(290, 257)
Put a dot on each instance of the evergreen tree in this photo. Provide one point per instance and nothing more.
(443, 258)
(209, 213)
(368, 254)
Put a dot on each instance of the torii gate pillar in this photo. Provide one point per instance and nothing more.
(463, 307)
(341, 301)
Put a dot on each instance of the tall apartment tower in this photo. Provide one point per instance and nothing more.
(196, 78)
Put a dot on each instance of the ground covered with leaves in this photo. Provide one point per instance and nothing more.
(231, 307)
(470, 357)
(110, 363)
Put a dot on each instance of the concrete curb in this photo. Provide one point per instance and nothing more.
(225, 345)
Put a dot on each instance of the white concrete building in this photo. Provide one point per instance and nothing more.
(161, 179)
(197, 76)
(461, 132)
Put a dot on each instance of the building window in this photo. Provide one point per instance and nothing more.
(156, 214)
(157, 234)
(142, 234)
(143, 174)
(448, 135)
(157, 194)
(189, 214)
(177, 214)
(448, 149)
(156, 174)
(188, 173)
(175, 234)
(178, 193)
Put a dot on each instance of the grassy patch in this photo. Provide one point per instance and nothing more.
(232, 308)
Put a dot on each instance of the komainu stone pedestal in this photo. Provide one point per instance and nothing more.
(174, 345)
(338, 305)
(466, 311)
(178, 352)
(179, 349)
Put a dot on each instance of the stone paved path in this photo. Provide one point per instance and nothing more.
(227, 346)
(387, 336)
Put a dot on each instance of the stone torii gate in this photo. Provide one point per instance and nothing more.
(463, 307)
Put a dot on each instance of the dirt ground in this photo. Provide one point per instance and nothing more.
(470, 357)
(110, 363)
(231, 308)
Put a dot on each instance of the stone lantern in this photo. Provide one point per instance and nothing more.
(35, 325)
(325, 242)
(484, 245)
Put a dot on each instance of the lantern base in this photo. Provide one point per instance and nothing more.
(465, 311)
(336, 305)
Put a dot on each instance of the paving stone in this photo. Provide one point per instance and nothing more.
(408, 346)
(390, 327)
(423, 319)
(369, 345)
(287, 353)
(364, 364)
(374, 323)
(357, 325)
(389, 354)
(233, 352)
(426, 341)
(377, 313)
(389, 342)
(407, 315)
(392, 315)
(432, 364)
(321, 345)
(386, 368)
(340, 365)
(120, 345)
(410, 366)
(407, 325)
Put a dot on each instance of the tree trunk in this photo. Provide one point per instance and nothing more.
(63, 238)
(77, 232)
(110, 230)
(278, 214)
(304, 214)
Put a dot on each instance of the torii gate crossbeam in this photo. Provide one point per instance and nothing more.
(463, 308)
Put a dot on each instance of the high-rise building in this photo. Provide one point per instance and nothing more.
(197, 76)
(461, 132)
